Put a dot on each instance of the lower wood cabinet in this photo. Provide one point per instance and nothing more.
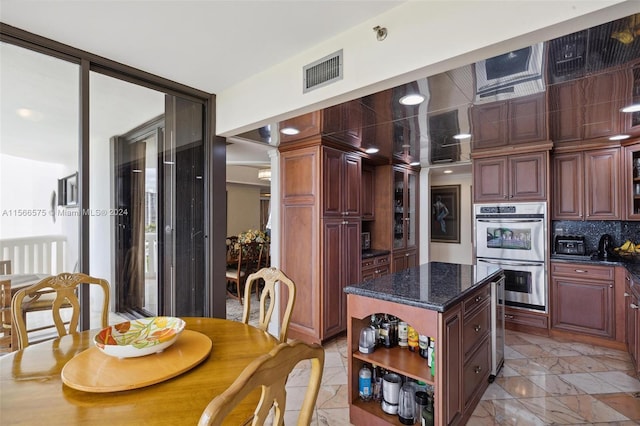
(632, 320)
(583, 299)
(404, 259)
(374, 267)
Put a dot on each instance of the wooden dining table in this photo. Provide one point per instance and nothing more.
(32, 390)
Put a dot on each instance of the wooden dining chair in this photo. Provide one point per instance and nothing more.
(5, 316)
(5, 267)
(267, 298)
(54, 293)
(270, 372)
(248, 254)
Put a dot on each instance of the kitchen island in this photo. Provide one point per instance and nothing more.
(449, 303)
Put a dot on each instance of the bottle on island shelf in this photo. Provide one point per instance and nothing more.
(364, 383)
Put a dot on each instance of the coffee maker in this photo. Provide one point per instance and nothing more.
(605, 246)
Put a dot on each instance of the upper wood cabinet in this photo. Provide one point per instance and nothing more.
(514, 121)
(345, 123)
(341, 189)
(520, 177)
(631, 181)
(588, 108)
(586, 185)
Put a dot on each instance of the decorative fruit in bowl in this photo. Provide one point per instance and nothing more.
(139, 337)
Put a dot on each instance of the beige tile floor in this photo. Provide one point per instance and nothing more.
(544, 381)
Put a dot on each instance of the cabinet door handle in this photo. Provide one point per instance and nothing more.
(477, 328)
(509, 316)
(581, 271)
(477, 369)
(633, 306)
(610, 285)
(627, 278)
(478, 298)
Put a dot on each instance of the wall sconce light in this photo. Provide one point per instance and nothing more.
(264, 174)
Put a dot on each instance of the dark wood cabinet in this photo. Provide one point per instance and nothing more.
(583, 299)
(343, 123)
(341, 267)
(631, 182)
(586, 185)
(632, 320)
(587, 108)
(374, 267)
(368, 192)
(453, 405)
(341, 187)
(521, 177)
(511, 122)
(632, 120)
(396, 215)
(403, 259)
(320, 197)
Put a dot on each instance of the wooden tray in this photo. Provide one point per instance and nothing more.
(93, 371)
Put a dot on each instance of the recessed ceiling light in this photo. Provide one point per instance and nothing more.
(618, 137)
(448, 171)
(371, 150)
(631, 108)
(24, 112)
(289, 131)
(412, 99)
(462, 136)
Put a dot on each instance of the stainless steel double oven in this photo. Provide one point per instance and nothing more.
(514, 237)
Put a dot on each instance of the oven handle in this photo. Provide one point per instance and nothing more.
(509, 263)
(510, 220)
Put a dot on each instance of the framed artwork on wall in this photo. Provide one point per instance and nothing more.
(445, 214)
(68, 190)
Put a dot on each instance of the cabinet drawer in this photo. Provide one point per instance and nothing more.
(518, 316)
(476, 371)
(576, 270)
(476, 299)
(368, 263)
(475, 328)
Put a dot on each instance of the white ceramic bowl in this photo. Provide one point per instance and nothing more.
(139, 337)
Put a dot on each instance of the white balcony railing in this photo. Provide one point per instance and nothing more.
(42, 254)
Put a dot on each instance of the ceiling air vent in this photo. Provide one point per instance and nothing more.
(322, 72)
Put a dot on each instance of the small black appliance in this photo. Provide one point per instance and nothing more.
(605, 246)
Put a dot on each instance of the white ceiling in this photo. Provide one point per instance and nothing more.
(209, 45)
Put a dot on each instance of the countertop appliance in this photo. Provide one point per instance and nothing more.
(497, 327)
(514, 237)
(605, 246)
(570, 244)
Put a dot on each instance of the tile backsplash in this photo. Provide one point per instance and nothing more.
(593, 229)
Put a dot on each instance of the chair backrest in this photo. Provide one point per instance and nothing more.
(232, 248)
(5, 267)
(270, 277)
(249, 254)
(64, 285)
(270, 372)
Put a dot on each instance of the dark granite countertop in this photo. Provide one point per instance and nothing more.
(435, 285)
(366, 254)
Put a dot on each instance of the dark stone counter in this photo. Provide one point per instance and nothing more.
(367, 254)
(435, 285)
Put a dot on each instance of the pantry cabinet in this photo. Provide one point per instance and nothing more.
(586, 185)
(519, 177)
(320, 197)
